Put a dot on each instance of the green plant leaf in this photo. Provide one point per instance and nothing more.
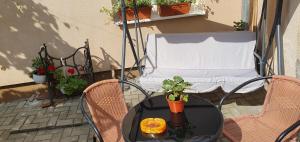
(171, 97)
(185, 98)
(178, 79)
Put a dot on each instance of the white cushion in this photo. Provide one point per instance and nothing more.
(207, 60)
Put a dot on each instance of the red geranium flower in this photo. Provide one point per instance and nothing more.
(71, 71)
(51, 68)
(41, 71)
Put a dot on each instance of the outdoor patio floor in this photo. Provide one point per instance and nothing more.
(25, 121)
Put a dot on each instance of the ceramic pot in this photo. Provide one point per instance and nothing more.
(62, 91)
(143, 13)
(176, 106)
(176, 9)
(39, 78)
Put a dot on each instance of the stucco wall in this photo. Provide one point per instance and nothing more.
(65, 24)
(291, 20)
(290, 34)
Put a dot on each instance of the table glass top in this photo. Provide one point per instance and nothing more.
(200, 121)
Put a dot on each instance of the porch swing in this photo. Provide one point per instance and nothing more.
(206, 60)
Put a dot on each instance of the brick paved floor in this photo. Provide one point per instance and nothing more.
(26, 121)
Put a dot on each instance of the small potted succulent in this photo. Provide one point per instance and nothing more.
(144, 9)
(69, 83)
(174, 93)
(173, 7)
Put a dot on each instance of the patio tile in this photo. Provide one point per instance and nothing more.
(42, 137)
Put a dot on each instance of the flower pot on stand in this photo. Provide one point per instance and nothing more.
(39, 78)
(176, 106)
(175, 9)
(143, 13)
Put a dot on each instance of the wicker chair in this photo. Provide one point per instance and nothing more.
(107, 107)
(279, 119)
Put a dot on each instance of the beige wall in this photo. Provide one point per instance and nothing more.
(65, 24)
(291, 36)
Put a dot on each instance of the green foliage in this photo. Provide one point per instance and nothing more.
(70, 84)
(171, 2)
(37, 63)
(174, 88)
(240, 26)
(129, 4)
(107, 11)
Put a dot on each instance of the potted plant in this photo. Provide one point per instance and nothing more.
(38, 74)
(173, 7)
(144, 9)
(240, 26)
(174, 93)
(68, 83)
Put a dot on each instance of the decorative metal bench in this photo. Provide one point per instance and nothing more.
(84, 70)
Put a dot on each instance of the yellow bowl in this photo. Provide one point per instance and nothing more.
(153, 125)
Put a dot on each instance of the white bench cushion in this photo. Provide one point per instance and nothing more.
(207, 60)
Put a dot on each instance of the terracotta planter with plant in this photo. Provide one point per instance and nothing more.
(143, 13)
(173, 7)
(144, 9)
(174, 93)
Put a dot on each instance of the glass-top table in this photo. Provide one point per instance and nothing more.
(200, 121)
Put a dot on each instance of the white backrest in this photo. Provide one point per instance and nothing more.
(221, 50)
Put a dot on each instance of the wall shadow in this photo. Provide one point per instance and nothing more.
(25, 25)
(189, 25)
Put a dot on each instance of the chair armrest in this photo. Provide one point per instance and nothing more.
(239, 87)
(89, 120)
(287, 131)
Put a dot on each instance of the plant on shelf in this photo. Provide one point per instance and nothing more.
(173, 7)
(69, 83)
(144, 9)
(174, 93)
(240, 26)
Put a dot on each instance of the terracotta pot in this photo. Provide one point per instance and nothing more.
(176, 9)
(39, 78)
(176, 106)
(143, 13)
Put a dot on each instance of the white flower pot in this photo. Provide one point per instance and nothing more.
(62, 90)
(39, 78)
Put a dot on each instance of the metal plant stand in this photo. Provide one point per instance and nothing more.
(84, 70)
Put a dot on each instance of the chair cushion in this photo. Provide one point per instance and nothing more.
(207, 60)
(202, 80)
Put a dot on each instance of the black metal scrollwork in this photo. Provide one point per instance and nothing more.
(84, 70)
